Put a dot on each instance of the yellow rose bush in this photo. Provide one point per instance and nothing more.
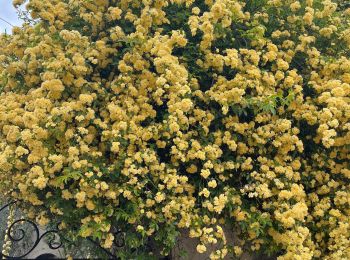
(158, 116)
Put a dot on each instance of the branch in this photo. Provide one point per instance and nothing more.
(6, 21)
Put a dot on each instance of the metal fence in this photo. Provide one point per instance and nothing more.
(22, 238)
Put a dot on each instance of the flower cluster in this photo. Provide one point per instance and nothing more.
(163, 115)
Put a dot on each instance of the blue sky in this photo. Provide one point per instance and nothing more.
(8, 12)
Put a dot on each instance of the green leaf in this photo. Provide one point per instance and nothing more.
(67, 176)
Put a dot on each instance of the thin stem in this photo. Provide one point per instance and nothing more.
(6, 21)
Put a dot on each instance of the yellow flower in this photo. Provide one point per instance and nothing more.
(201, 248)
(196, 10)
(238, 250)
(40, 182)
(140, 228)
(295, 6)
(205, 192)
(55, 88)
(86, 98)
(66, 195)
(80, 196)
(20, 150)
(212, 184)
(282, 65)
(104, 186)
(108, 241)
(205, 173)
(17, 2)
(115, 147)
(159, 197)
(90, 205)
(42, 220)
(308, 18)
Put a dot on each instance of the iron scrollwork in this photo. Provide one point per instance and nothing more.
(16, 234)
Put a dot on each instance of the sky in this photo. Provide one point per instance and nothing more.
(8, 12)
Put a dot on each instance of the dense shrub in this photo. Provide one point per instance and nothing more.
(162, 115)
